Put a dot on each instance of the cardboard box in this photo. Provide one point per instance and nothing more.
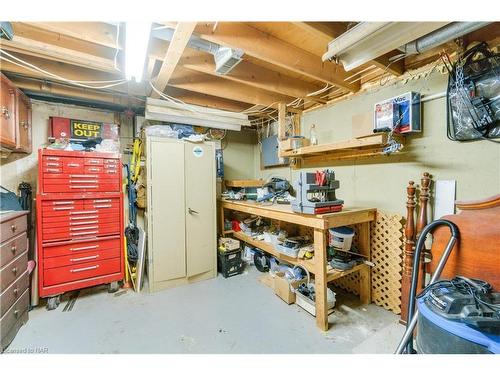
(294, 143)
(229, 243)
(282, 287)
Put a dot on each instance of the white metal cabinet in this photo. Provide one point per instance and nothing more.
(181, 212)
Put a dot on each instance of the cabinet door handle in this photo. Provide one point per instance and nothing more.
(84, 187)
(16, 313)
(82, 176)
(85, 268)
(85, 223)
(83, 248)
(14, 270)
(192, 211)
(13, 227)
(83, 218)
(13, 249)
(102, 200)
(62, 202)
(102, 206)
(53, 164)
(84, 228)
(52, 158)
(84, 258)
(73, 165)
(24, 124)
(83, 212)
(82, 181)
(15, 291)
(82, 233)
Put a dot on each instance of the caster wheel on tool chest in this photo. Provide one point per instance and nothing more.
(53, 302)
(113, 287)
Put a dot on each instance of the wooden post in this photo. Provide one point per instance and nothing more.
(281, 121)
(422, 221)
(365, 279)
(221, 219)
(408, 250)
(320, 281)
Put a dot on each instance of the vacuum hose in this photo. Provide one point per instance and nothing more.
(407, 340)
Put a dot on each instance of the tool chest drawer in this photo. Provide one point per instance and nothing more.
(83, 258)
(12, 248)
(13, 292)
(73, 248)
(80, 231)
(13, 270)
(75, 272)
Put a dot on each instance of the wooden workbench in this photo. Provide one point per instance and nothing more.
(320, 224)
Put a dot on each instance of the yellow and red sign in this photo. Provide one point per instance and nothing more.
(85, 129)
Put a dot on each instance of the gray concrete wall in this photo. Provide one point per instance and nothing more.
(381, 183)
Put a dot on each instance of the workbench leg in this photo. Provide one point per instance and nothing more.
(221, 220)
(365, 278)
(320, 283)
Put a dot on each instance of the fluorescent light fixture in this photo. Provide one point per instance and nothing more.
(369, 40)
(162, 110)
(136, 45)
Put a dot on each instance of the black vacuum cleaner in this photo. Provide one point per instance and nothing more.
(458, 316)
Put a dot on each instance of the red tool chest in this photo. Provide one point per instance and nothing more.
(80, 220)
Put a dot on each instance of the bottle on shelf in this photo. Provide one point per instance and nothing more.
(313, 136)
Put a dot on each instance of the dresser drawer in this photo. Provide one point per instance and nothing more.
(89, 270)
(83, 258)
(13, 292)
(13, 270)
(12, 248)
(75, 248)
(12, 228)
(14, 313)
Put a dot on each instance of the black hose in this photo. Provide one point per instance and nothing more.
(416, 263)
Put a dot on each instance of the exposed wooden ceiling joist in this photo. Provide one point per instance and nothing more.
(206, 100)
(52, 52)
(181, 36)
(266, 47)
(250, 74)
(206, 84)
(327, 33)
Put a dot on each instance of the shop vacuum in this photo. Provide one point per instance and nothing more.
(458, 316)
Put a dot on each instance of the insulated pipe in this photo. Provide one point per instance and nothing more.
(412, 319)
(440, 36)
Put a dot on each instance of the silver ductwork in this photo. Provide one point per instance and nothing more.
(225, 58)
(440, 36)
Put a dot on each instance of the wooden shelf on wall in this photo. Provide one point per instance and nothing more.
(362, 147)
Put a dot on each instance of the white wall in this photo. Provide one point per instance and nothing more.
(381, 183)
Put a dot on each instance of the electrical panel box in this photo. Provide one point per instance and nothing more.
(401, 113)
(270, 148)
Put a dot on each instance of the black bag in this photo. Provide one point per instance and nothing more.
(473, 99)
(9, 200)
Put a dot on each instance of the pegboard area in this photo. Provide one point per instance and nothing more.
(386, 240)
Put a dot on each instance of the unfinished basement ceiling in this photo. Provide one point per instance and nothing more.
(281, 63)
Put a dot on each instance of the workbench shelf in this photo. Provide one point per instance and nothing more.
(362, 147)
(323, 273)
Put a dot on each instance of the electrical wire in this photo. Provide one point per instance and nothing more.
(32, 67)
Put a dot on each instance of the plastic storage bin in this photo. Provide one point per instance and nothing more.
(229, 263)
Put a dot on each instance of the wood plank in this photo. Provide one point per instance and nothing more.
(320, 277)
(250, 74)
(268, 48)
(346, 217)
(278, 212)
(219, 87)
(181, 36)
(282, 121)
(379, 139)
(364, 246)
(244, 183)
(59, 54)
(365, 285)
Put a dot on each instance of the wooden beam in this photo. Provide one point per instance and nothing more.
(100, 33)
(77, 92)
(52, 52)
(69, 72)
(265, 47)
(249, 74)
(206, 100)
(207, 84)
(327, 33)
(282, 121)
(176, 47)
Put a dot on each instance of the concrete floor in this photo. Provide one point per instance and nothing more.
(235, 315)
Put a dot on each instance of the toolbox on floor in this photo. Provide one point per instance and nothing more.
(229, 263)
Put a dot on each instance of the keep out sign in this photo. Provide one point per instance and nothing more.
(85, 129)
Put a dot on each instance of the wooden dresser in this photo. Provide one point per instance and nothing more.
(14, 277)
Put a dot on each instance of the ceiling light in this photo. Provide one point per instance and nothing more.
(136, 45)
(369, 40)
